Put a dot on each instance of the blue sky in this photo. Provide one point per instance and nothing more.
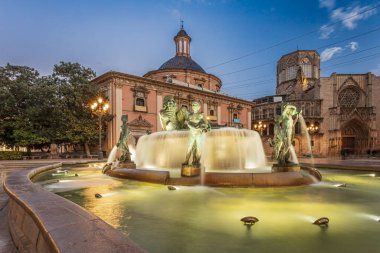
(137, 36)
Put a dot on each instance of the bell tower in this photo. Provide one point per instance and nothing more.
(182, 42)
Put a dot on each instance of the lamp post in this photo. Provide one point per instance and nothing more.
(260, 127)
(100, 108)
(312, 129)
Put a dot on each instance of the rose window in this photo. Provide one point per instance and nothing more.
(349, 97)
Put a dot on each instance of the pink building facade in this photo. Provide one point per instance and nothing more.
(141, 98)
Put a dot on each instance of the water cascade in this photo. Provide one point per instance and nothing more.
(225, 149)
(307, 135)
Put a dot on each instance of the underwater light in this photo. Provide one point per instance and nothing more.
(249, 220)
(324, 221)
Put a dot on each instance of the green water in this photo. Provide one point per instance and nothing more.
(203, 219)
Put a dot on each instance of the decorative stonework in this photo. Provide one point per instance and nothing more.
(139, 123)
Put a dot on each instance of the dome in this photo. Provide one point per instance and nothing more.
(182, 33)
(182, 62)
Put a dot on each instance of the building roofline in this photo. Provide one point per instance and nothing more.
(296, 51)
(114, 74)
(179, 69)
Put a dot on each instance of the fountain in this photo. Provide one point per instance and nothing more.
(220, 157)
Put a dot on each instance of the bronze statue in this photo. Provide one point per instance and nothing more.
(284, 134)
(198, 125)
(122, 144)
(170, 118)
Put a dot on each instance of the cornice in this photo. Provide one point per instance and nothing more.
(159, 84)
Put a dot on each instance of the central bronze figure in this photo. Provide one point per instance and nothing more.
(170, 118)
(198, 125)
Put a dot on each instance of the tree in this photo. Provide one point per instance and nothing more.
(38, 111)
(18, 127)
(76, 93)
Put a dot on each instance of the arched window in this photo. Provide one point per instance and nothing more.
(291, 72)
(307, 68)
(211, 112)
(349, 97)
(235, 116)
(140, 102)
(180, 46)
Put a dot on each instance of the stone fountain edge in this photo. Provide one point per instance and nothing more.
(41, 221)
(221, 179)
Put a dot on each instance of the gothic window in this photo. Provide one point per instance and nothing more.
(349, 97)
(211, 112)
(307, 68)
(291, 72)
(235, 116)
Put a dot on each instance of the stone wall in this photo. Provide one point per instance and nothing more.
(42, 222)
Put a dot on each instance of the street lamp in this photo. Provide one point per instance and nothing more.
(100, 108)
(260, 127)
(312, 129)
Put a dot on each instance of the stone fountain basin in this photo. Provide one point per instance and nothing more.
(222, 179)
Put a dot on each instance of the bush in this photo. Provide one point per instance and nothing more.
(11, 155)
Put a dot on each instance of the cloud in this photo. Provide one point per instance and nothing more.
(350, 16)
(326, 30)
(329, 4)
(353, 45)
(328, 53)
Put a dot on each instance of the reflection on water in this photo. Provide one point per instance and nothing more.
(203, 219)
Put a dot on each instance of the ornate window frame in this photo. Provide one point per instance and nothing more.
(140, 93)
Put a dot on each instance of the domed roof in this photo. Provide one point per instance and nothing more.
(181, 33)
(182, 62)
